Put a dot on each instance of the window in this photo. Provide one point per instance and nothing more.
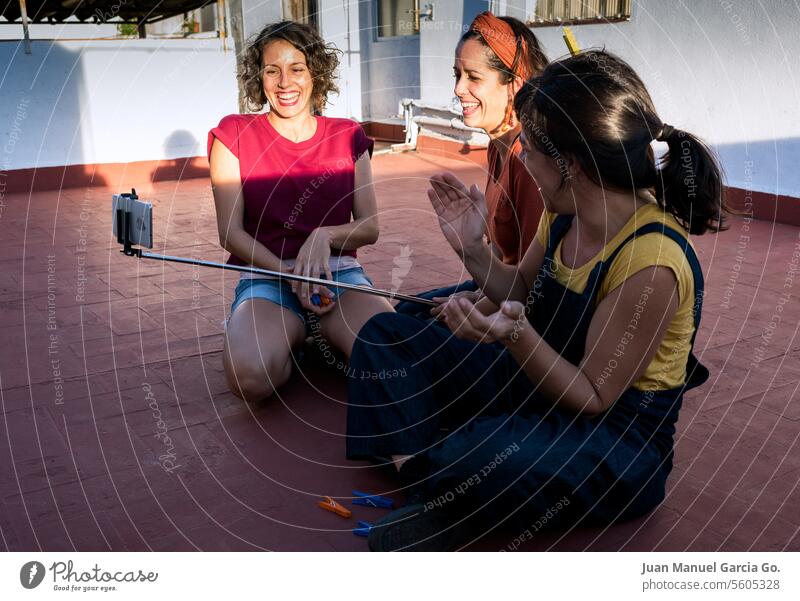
(398, 17)
(576, 12)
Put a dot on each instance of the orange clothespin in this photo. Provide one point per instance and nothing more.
(329, 504)
(319, 300)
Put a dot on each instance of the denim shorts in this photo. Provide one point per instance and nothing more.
(281, 293)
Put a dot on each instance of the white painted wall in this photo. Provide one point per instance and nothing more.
(438, 40)
(259, 13)
(724, 69)
(112, 101)
(389, 67)
(727, 70)
(339, 25)
(45, 31)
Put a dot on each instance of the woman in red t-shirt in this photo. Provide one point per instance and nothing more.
(493, 59)
(293, 192)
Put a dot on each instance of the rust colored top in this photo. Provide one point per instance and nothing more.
(513, 200)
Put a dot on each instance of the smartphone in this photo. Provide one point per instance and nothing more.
(140, 228)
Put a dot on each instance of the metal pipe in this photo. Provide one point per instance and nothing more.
(412, 122)
(286, 276)
(451, 123)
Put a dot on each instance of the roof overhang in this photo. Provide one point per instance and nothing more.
(98, 11)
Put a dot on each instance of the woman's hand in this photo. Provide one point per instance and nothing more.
(471, 295)
(313, 261)
(467, 322)
(461, 211)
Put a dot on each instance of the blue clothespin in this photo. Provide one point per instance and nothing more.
(320, 301)
(363, 528)
(363, 498)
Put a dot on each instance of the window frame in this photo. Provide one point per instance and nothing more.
(572, 22)
(377, 37)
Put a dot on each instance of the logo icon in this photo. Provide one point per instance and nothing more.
(402, 265)
(31, 574)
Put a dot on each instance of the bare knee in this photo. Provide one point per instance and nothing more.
(254, 379)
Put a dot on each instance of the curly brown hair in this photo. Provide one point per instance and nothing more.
(322, 60)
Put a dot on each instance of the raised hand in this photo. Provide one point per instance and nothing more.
(461, 211)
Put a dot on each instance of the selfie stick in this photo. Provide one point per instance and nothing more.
(123, 220)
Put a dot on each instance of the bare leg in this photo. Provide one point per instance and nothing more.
(353, 310)
(258, 342)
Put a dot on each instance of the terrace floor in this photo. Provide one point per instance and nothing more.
(96, 346)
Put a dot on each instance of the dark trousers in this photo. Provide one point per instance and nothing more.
(484, 441)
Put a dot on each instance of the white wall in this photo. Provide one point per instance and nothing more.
(438, 39)
(339, 25)
(389, 67)
(112, 101)
(727, 70)
(258, 14)
(45, 31)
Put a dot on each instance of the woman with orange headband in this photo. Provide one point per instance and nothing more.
(493, 59)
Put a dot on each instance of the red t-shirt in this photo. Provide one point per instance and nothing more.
(514, 203)
(292, 188)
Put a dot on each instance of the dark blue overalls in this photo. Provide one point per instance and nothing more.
(486, 442)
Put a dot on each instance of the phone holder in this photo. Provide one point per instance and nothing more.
(123, 226)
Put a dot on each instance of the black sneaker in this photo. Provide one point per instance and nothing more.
(413, 528)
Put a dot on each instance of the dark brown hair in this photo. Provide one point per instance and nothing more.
(593, 108)
(322, 61)
(535, 57)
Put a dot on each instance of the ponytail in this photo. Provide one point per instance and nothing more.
(689, 182)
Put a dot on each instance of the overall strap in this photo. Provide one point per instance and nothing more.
(696, 373)
(691, 257)
(558, 228)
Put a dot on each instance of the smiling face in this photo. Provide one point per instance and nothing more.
(479, 87)
(288, 84)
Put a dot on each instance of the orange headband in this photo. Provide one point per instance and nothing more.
(505, 44)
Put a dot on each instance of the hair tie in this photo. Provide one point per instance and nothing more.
(666, 132)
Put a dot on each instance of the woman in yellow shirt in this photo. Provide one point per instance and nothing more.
(553, 402)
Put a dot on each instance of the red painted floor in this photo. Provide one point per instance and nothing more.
(97, 348)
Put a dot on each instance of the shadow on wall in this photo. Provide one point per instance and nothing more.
(190, 161)
(41, 95)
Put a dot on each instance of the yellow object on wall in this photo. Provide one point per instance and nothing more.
(570, 41)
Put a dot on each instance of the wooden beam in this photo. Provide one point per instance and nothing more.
(221, 24)
(23, 11)
(237, 31)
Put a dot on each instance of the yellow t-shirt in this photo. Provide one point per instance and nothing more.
(668, 367)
